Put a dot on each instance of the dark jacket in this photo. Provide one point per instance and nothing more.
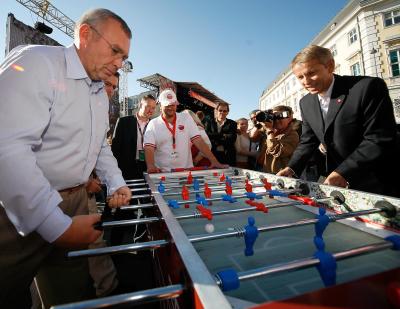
(124, 147)
(358, 133)
(226, 138)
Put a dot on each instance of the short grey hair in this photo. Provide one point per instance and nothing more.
(98, 16)
(313, 52)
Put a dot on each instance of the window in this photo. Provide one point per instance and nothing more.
(353, 36)
(355, 69)
(333, 50)
(392, 18)
(394, 56)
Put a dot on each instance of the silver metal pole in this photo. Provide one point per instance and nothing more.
(140, 189)
(307, 262)
(109, 224)
(239, 232)
(215, 188)
(148, 245)
(136, 207)
(132, 299)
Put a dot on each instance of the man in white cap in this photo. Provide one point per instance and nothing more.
(167, 139)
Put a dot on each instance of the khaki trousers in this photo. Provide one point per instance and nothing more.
(21, 258)
(101, 268)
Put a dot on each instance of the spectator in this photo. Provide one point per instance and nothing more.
(200, 115)
(127, 144)
(245, 148)
(198, 158)
(222, 133)
(167, 138)
(282, 140)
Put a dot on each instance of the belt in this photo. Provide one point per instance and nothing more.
(72, 189)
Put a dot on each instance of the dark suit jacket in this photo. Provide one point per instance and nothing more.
(124, 147)
(227, 138)
(358, 133)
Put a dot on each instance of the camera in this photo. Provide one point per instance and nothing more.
(269, 116)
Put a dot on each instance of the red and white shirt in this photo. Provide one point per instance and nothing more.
(161, 138)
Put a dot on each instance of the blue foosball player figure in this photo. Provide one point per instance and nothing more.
(250, 236)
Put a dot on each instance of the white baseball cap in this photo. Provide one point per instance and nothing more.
(167, 97)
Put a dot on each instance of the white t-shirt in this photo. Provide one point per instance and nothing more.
(158, 136)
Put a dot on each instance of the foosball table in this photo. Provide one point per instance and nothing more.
(236, 238)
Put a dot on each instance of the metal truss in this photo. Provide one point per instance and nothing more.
(45, 10)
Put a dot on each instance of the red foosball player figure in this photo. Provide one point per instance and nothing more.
(190, 178)
(185, 193)
(207, 191)
(267, 185)
(248, 186)
(222, 178)
(228, 189)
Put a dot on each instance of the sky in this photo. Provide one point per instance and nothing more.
(232, 48)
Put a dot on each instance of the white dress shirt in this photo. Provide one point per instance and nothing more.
(325, 99)
(53, 124)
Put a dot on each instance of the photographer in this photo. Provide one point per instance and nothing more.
(281, 137)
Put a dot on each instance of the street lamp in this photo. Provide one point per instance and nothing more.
(373, 52)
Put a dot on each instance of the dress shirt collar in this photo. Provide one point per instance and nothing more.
(75, 69)
(328, 93)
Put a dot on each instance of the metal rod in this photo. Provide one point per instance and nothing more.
(279, 226)
(201, 183)
(138, 184)
(148, 245)
(136, 207)
(239, 232)
(237, 197)
(215, 188)
(109, 224)
(141, 196)
(134, 180)
(307, 262)
(132, 299)
(197, 214)
(140, 189)
(182, 179)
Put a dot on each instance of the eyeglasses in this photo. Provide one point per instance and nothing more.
(108, 84)
(116, 51)
(222, 111)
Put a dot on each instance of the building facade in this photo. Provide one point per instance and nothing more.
(364, 38)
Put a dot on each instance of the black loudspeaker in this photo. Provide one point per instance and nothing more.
(43, 28)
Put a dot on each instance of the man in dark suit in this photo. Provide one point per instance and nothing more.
(127, 144)
(222, 133)
(350, 119)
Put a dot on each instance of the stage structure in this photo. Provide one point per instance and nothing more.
(191, 95)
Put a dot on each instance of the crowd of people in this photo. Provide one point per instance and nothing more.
(54, 153)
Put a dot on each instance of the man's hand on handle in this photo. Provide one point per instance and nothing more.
(286, 172)
(80, 233)
(335, 179)
(120, 197)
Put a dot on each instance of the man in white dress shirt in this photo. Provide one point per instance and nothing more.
(167, 139)
(53, 125)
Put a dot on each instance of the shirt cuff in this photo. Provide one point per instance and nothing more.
(54, 225)
(116, 182)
